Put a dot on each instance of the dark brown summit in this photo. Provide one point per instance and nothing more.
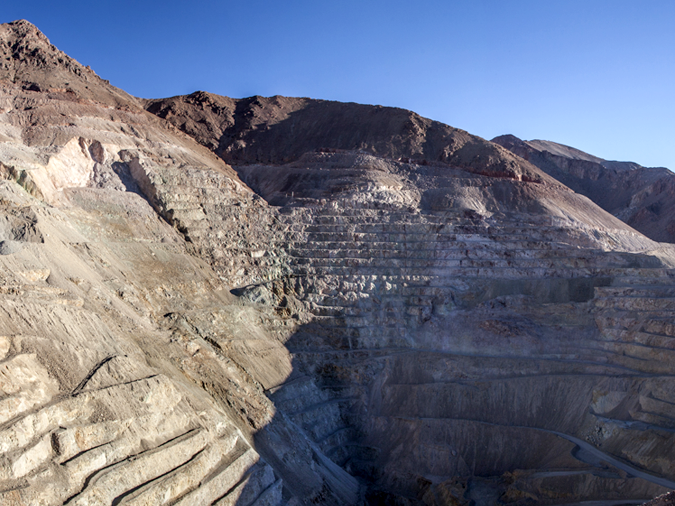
(279, 130)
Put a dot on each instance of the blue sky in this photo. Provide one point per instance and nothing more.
(594, 74)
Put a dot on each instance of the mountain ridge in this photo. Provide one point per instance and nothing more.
(402, 134)
(642, 197)
(283, 302)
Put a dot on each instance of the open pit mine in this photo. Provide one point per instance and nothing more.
(285, 301)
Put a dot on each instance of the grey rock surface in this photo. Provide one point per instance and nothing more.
(454, 321)
(406, 314)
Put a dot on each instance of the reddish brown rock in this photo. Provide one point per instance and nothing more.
(279, 130)
(643, 197)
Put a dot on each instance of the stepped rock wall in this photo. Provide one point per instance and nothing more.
(403, 314)
(467, 332)
(446, 345)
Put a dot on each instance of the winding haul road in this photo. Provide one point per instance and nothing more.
(611, 460)
(587, 447)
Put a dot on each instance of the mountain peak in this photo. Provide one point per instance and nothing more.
(28, 59)
(24, 27)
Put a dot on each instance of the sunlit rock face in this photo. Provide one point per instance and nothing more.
(643, 197)
(116, 339)
(366, 308)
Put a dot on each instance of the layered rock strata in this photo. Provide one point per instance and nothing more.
(370, 307)
(101, 403)
(449, 346)
(130, 374)
(467, 331)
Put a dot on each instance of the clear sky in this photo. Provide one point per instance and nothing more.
(598, 75)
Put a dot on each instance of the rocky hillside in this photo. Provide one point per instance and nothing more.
(128, 370)
(285, 301)
(642, 197)
(281, 129)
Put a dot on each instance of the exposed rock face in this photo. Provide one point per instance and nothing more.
(128, 369)
(397, 315)
(448, 344)
(463, 325)
(282, 129)
(643, 197)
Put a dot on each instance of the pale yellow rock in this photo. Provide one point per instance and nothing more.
(5, 345)
(25, 384)
(33, 458)
(35, 275)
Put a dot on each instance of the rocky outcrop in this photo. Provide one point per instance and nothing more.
(31, 62)
(369, 307)
(281, 129)
(463, 329)
(662, 500)
(642, 197)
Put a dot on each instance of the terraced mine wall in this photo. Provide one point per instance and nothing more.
(445, 355)
(409, 315)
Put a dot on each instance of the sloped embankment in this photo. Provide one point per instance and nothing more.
(403, 313)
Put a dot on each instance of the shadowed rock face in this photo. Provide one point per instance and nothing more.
(436, 345)
(461, 328)
(397, 315)
(642, 197)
